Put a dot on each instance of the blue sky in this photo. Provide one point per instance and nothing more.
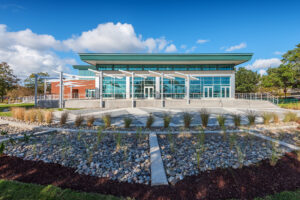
(46, 35)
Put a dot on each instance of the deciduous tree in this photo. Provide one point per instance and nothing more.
(246, 81)
(8, 80)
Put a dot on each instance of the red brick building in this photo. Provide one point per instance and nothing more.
(75, 87)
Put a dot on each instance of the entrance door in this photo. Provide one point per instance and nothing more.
(208, 91)
(225, 91)
(149, 92)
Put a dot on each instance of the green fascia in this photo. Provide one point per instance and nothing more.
(84, 67)
(243, 57)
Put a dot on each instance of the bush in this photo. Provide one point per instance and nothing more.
(237, 120)
(275, 118)
(167, 119)
(63, 118)
(32, 114)
(27, 116)
(107, 121)
(267, 118)
(187, 120)
(48, 115)
(251, 115)
(127, 122)
(90, 121)
(221, 120)
(204, 117)
(78, 120)
(290, 117)
(39, 116)
(150, 121)
(18, 113)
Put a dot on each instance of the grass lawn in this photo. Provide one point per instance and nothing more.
(5, 114)
(27, 105)
(294, 106)
(12, 190)
(283, 196)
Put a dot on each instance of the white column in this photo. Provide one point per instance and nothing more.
(45, 88)
(162, 90)
(157, 87)
(101, 88)
(127, 87)
(97, 86)
(61, 90)
(188, 90)
(132, 90)
(232, 84)
(35, 89)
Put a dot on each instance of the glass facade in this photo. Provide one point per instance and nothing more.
(204, 87)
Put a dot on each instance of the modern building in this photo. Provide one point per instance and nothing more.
(155, 76)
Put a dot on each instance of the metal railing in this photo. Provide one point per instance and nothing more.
(258, 96)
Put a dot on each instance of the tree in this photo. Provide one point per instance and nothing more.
(30, 82)
(8, 80)
(292, 58)
(246, 81)
(282, 77)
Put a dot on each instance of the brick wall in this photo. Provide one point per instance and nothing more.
(80, 90)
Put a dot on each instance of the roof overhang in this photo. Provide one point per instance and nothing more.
(105, 58)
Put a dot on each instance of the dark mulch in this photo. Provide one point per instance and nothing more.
(245, 183)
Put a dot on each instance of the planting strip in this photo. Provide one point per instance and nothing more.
(158, 174)
(34, 134)
(257, 134)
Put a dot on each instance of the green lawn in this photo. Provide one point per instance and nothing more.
(12, 190)
(5, 114)
(27, 105)
(283, 196)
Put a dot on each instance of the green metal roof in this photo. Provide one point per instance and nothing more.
(101, 58)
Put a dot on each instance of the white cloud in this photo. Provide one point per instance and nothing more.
(278, 53)
(171, 48)
(262, 72)
(236, 47)
(264, 63)
(29, 52)
(193, 48)
(200, 41)
(111, 38)
(183, 46)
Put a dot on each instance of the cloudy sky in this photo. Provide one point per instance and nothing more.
(47, 35)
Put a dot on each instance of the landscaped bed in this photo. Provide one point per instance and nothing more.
(289, 135)
(188, 154)
(247, 183)
(12, 131)
(122, 157)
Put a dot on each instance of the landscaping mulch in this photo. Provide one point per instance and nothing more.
(246, 183)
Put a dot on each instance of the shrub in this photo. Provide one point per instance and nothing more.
(39, 116)
(18, 113)
(237, 120)
(63, 118)
(78, 120)
(127, 122)
(204, 117)
(32, 115)
(221, 120)
(27, 116)
(167, 119)
(150, 121)
(290, 117)
(267, 118)
(187, 120)
(251, 115)
(275, 118)
(90, 121)
(48, 115)
(107, 121)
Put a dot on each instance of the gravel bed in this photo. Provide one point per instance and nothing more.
(12, 131)
(291, 136)
(180, 157)
(91, 154)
